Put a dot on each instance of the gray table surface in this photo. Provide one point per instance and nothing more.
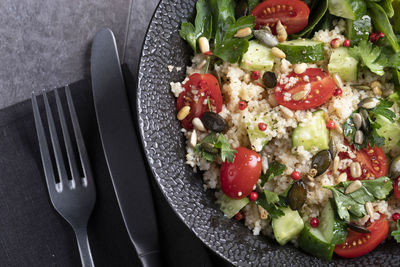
(45, 44)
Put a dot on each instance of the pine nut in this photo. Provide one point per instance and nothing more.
(377, 91)
(204, 44)
(336, 161)
(355, 169)
(300, 95)
(263, 213)
(243, 32)
(281, 31)
(193, 139)
(342, 177)
(182, 114)
(287, 112)
(300, 68)
(278, 53)
(198, 124)
(359, 137)
(375, 84)
(338, 80)
(370, 209)
(338, 128)
(354, 186)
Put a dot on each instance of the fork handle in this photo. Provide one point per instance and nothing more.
(84, 246)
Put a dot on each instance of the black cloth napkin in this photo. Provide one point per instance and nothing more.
(32, 233)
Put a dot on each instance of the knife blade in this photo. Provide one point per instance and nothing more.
(121, 148)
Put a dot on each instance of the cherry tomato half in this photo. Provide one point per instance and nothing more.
(198, 89)
(358, 244)
(239, 177)
(318, 82)
(292, 13)
(372, 160)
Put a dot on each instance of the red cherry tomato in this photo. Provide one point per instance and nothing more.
(198, 88)
(396, 187)
(318, 81)
(373, 163)
(239, 177)
(292, 13)
(358, 244)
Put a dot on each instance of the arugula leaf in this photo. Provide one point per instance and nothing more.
(202, 25)
(352, 205)
(221, 143)
(369, 55)
(271, 202)
(228, 47)
(274, 169)
(396, 233)
(227, 153)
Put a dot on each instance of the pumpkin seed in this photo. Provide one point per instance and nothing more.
(269, 79)
(297, 195)
(368, 103)
(358, 228)
(365, 121)
(321, 162)
(214, 122)
(359, 137)
(332, 147)
(209, 148)
(358, 120)
(266, 37)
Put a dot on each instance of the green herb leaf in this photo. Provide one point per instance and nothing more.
(271, 202)
(318, 10)
(352, 205)
(396, 233)
(383, 109)
(339, 232)
(228, 47)
(211, 139)
(253, 4)
(227, 153)
(274, 169)
(369, 55)
(202, 27)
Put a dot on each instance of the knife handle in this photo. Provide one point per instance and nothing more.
(151, 259)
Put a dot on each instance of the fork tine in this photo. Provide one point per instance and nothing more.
(79, 139)
(62, 172)
(67, 140)
(44, 149)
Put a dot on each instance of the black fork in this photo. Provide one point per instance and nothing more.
(73, 195)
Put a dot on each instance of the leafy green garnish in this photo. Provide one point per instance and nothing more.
(352, 205)
(318, 10)
(373, 138)
(274, 169)
(370, 56)
(228, 47)
(253, 4)
(272, 203)
(396, 233)
(339, 232)
(220, 143)
(202, 25)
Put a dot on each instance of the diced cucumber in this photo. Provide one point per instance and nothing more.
(231, 206)
(359, 29)
(288, 226)
(312, 133)
(390, 131)
(349, 9)
(257, 57)
(303, 50)
(318, 241)
(258, 139)
(343, 64)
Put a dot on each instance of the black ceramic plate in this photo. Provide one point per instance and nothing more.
(165, 151)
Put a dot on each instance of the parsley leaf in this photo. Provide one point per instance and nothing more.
(396, 233)
(220, 143)
(227, 153)
(228, 47)
(383, 109)
(274, 169)
(352, 205)
(369, 55)
(272, 202)
(202, 25)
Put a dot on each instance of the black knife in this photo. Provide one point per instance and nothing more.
(121, 148)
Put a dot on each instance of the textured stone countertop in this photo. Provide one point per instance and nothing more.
(46, 44)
